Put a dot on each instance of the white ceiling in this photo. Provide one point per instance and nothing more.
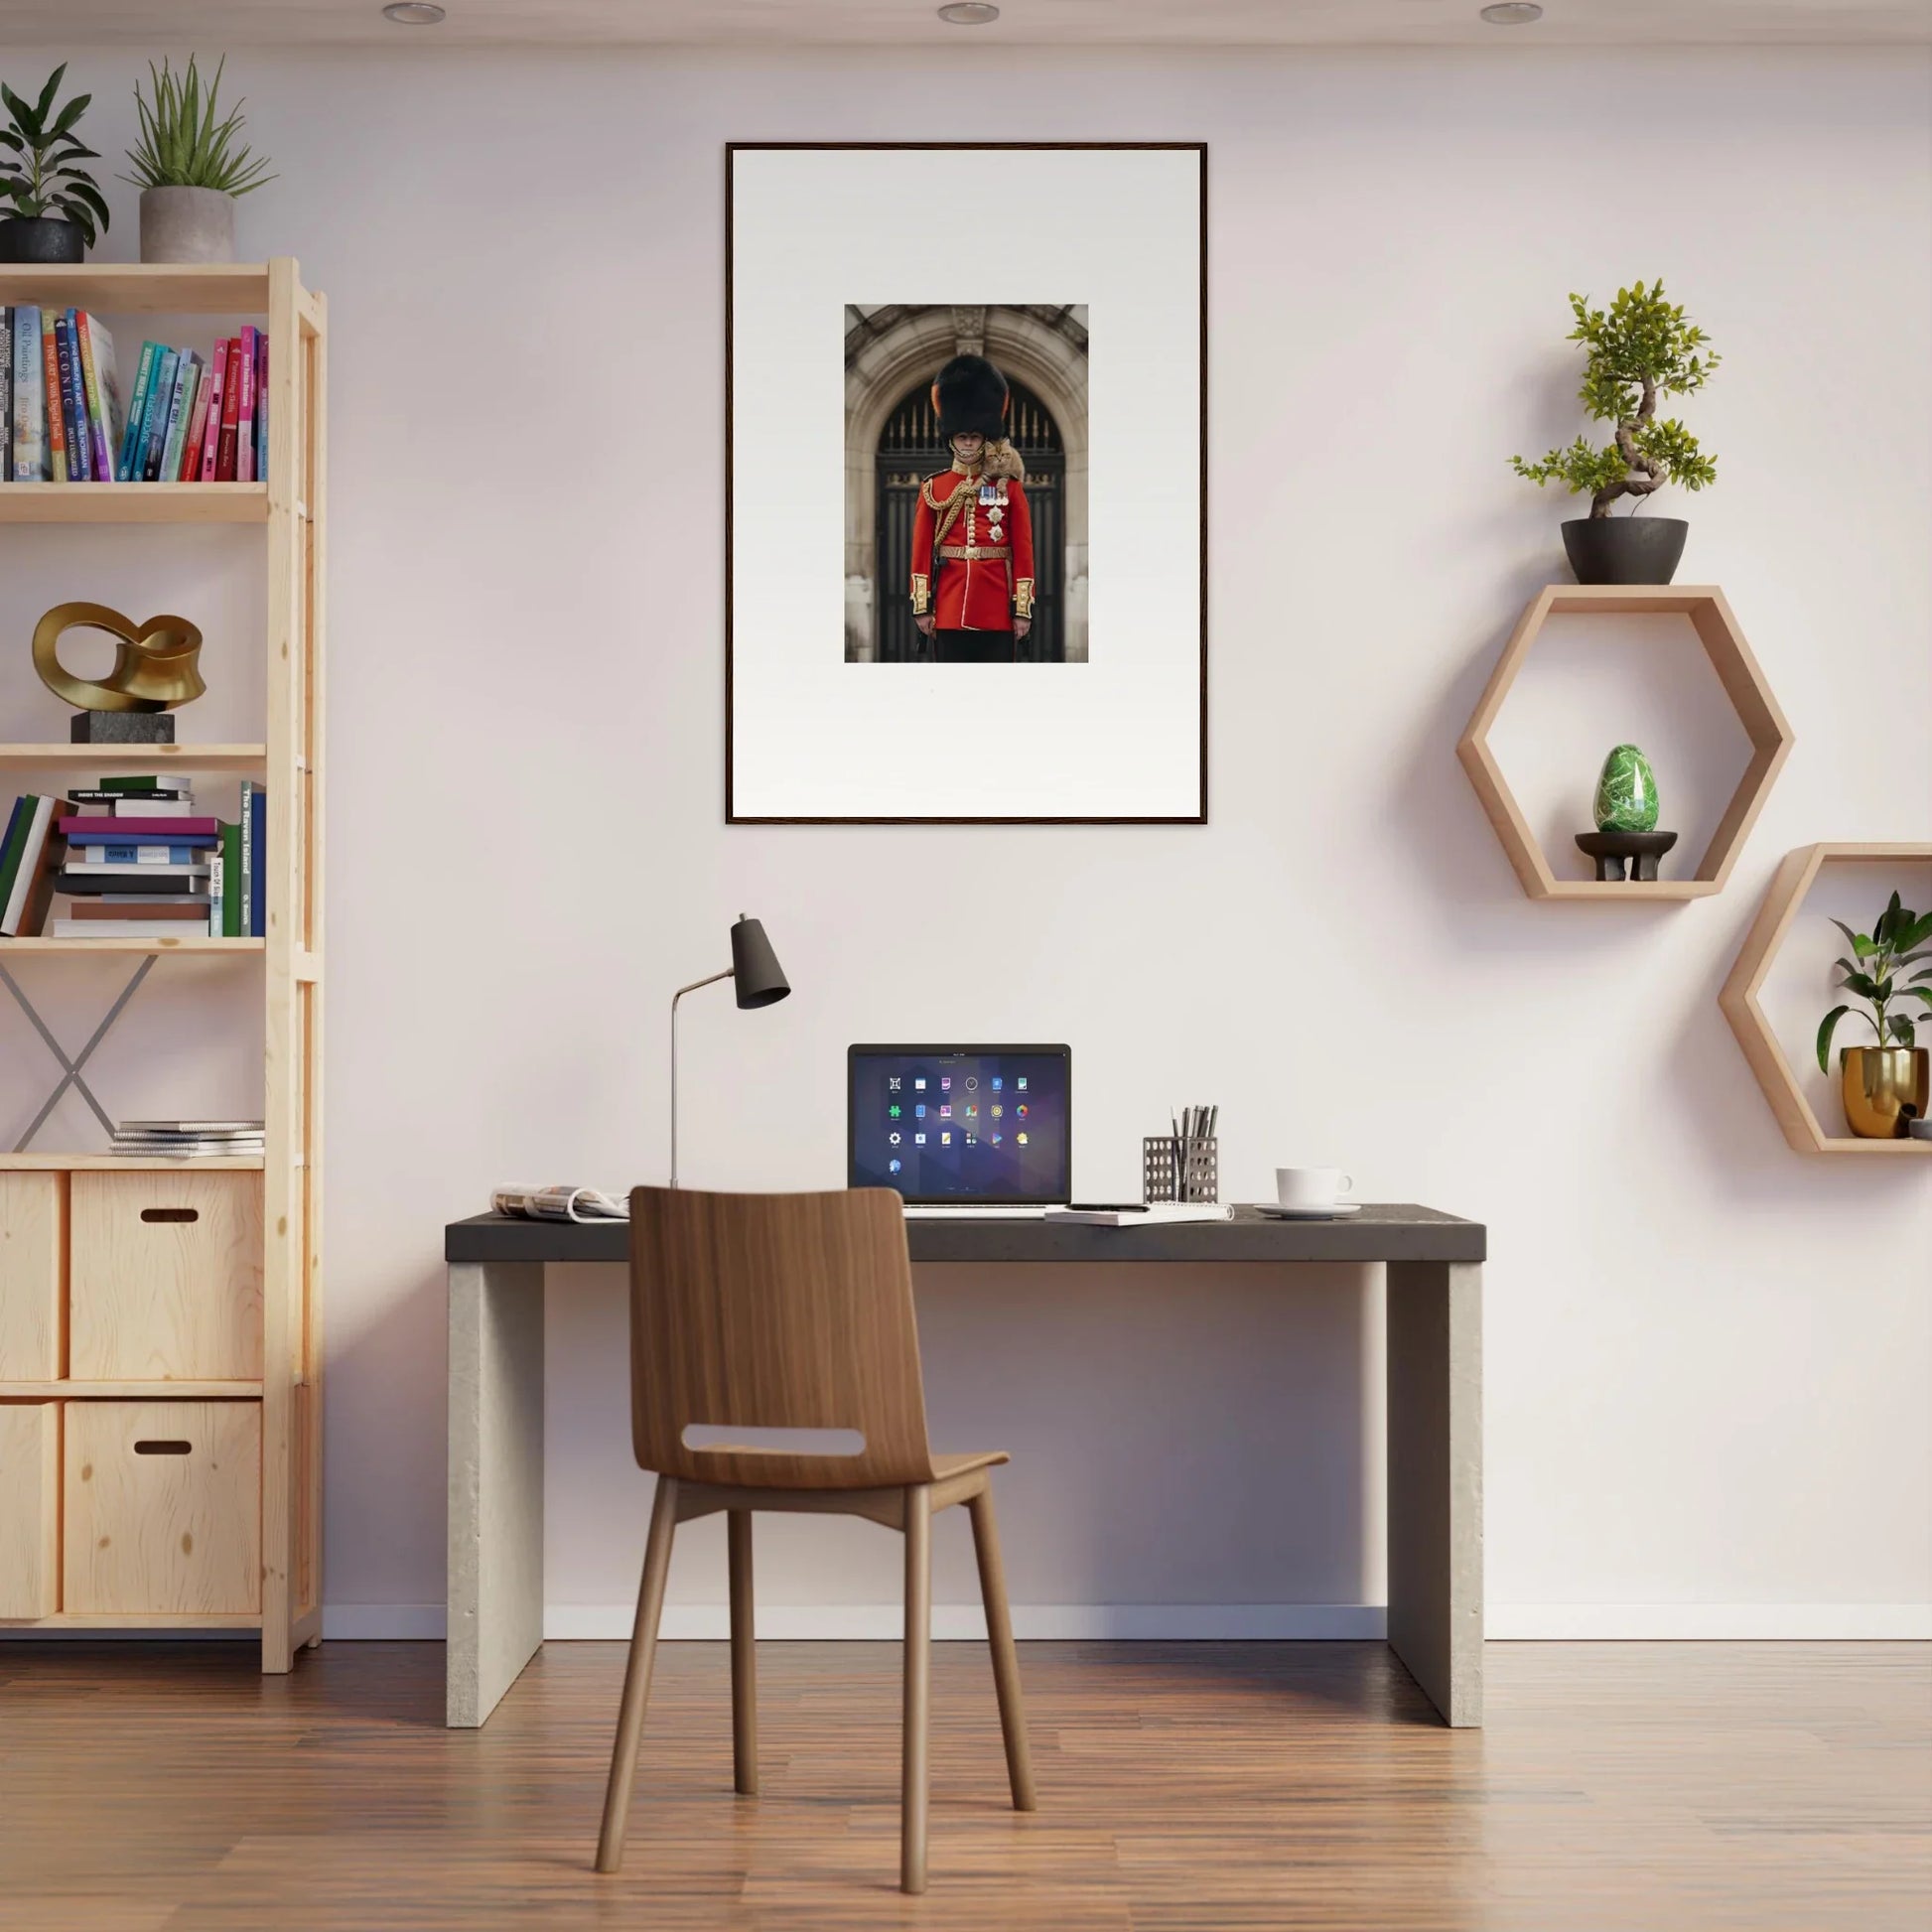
(1286, 23)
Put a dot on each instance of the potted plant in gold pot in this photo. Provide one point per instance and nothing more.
(1884, 1085)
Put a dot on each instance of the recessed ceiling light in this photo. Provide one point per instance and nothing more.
(969, 13)
(1512, 13)
(413, 13)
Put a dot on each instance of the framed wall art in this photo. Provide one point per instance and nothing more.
(966, 482)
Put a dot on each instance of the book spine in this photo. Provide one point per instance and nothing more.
(137, 407)
(230, 416)
(22, 918)
(29, 449)
(217, 369)
(232, 877)
(177, 410)
(245, 471)
(6, 394)
(258, 864)
(57, 419)
(190, 466)
(74, 407)
(84, 343)
(10, 846)
(160, 400)
(103, 392)
(261, 406)
(138, 855)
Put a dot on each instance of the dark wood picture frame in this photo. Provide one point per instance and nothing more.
(732, 150)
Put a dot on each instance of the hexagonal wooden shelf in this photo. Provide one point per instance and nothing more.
(1795, 878)
(1744, 683)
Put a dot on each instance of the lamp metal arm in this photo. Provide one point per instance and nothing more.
(711, 979)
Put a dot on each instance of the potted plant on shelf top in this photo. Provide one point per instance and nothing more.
(1884, 1086)
(189, 169)
(1639, 349)
(51, 210)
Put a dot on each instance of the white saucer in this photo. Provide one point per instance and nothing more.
(1275, 1213)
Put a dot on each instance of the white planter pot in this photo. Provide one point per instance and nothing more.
(186, 224)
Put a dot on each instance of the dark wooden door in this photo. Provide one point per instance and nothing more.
(909, 451)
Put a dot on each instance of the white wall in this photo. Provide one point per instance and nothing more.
(1707, 1402)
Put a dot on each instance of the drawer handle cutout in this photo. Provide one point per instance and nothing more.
(149, 1447)
(171, 1213)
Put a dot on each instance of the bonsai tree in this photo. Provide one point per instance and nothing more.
(1639, 349)
(181, 144)
(1895, 941)
(38, 150)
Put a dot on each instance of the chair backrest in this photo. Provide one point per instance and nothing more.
(775, 1311)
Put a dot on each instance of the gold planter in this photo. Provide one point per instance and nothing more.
(1879, 1084)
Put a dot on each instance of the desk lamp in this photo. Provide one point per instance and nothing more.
(759, 981)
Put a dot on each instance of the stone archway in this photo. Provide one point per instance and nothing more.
(888, 350)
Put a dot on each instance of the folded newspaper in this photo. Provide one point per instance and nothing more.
(559, 1204)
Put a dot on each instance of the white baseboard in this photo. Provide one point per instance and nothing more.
(1709, 1623)
(1171, 1622)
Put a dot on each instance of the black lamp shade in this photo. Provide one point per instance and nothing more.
(756, 977)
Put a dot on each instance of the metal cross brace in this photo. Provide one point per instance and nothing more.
(73, 1075)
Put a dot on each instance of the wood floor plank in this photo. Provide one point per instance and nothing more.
(1183, 1789)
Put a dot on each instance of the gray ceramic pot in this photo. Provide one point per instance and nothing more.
(186, 224)
(1625, 549)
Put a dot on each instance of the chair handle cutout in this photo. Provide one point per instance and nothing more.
(744, 1439)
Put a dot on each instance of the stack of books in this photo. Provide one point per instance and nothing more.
(189, 418)
(137, 862)
(187, 1139)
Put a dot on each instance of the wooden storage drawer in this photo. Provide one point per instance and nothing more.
(33, 1266)
(166, 1277)
(162, 1506)
(30, 1508)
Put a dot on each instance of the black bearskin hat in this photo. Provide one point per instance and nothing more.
(970, 394)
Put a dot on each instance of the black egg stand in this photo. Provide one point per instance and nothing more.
(1613, 850)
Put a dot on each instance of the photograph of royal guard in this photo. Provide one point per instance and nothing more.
(972, 536)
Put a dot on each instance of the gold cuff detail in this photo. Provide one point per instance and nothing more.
(976, 553)
(921, 593)
(1022, 598)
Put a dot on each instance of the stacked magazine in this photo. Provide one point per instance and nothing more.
(187, 1140)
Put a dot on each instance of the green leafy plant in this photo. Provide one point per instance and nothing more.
(1897, 941)
(1641, 349)
(183, 145)
(37, 152)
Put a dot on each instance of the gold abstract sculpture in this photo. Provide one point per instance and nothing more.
(154, 662)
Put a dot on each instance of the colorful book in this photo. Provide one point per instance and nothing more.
(230, 415)
(244, 460)
(102, 384)
(56, 424)
(217, 369)
(141, 781)
(154, 427)
(133, 853)
(17, 820)
(6, 394)
(255, 862)
(144, 906)
(190, 467)
(30, 403)
(33, 879)
(262, 405)
(121, 929)
(137, 408)
(154, 831)
(229, 896)
(89, 881)
(73, 408)
(179, 411)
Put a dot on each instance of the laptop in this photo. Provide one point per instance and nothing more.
(962, 1130)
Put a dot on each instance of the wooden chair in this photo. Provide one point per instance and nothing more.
(789, 1311)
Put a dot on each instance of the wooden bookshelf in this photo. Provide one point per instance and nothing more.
(52, 1193)
(134, 503)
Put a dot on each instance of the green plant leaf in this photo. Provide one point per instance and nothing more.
(1858, 942)
(1827, 1027)
(1903, 1030)
(1863, 984)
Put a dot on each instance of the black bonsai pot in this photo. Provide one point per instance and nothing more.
(39, 239)
(1625, 549)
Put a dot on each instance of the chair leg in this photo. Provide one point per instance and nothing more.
(744, 1670)
(1006, 1660)
(637, 1674)
(919, 1687)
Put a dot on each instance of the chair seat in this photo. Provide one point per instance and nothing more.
(946, 1466)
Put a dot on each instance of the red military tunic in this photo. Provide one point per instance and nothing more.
(972, 551)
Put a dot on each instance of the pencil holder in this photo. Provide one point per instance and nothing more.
(1179, 1171)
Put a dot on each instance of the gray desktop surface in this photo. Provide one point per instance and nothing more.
(1382, 1231)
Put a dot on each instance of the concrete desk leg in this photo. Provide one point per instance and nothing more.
(495, 1481)
(1435, 1326)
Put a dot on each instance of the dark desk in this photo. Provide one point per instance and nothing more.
(1434, 1411)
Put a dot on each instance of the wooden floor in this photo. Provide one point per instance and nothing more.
(1619, 1787)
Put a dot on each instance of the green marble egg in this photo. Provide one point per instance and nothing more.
(1627, 792)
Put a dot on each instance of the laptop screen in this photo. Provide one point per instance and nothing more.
(965, 1123)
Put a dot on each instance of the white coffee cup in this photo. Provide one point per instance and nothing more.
(1312, 1186)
